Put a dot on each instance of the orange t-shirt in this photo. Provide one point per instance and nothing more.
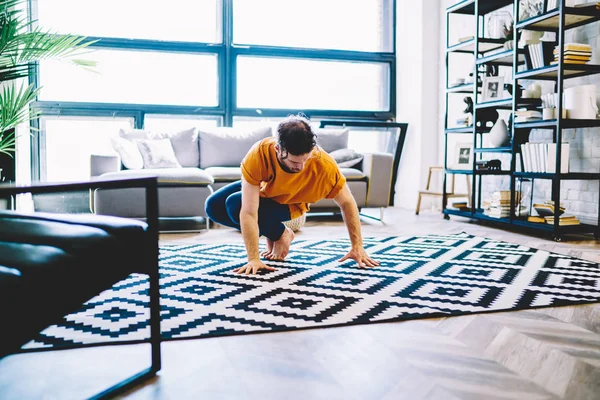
(320, 179)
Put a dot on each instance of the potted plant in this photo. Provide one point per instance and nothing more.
(509, 34)
(22, 44)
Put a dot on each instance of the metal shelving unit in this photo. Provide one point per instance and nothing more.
(491, 51)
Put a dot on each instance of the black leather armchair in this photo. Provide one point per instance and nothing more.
(50, 264)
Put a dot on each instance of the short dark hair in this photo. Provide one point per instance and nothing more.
(295, 136)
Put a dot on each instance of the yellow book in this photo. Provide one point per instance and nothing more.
(569, 62)
(578, 47)
(533, 218)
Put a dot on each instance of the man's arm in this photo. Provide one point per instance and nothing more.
(347, 204)
(249, 218)
(249, 227)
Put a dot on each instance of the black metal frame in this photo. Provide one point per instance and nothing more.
(396, 151)
(151, 186)
(554, 21)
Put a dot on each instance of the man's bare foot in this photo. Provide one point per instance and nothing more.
(267, 253)
(281, 247)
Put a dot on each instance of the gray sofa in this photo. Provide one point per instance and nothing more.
(209, 159)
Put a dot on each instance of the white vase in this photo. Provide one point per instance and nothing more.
(498, 136)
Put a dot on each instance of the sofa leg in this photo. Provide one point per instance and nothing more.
(207, 223)
(381, 210)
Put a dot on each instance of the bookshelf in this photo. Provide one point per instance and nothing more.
(491, 54)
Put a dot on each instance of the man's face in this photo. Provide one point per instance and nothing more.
(292, 164)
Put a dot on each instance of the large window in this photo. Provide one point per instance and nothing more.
(176, 20)
(167, 66)
(265, 82)
(139, 77)
(362, 25)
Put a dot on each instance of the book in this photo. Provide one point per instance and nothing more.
(537, 219)
(573, 52)
(546, 210)
(564, 158)
(578, 46)
(563, 220)
(569, 62)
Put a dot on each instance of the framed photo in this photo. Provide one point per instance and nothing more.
(493, 88)
(463, 156)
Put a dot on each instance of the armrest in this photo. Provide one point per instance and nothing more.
(378, 167)
(150, 183)
(103, 163)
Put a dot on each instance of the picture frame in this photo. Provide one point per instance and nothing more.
(493, 88)
(463, 156)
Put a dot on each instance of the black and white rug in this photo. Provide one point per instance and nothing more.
(425, 276)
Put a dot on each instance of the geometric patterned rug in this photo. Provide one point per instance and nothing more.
(418, 277)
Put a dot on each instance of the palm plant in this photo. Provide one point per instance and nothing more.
(22, 44)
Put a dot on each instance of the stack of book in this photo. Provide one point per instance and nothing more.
(499, 205)
(528, 115)
(546, 212)
(563, 220)
(463, 121)
(574, 53)
(461, 205)
(541, 157)
(539, 55)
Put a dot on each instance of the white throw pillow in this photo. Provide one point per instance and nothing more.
(185, 146)
(129, 153)
(157, 153)
(185, 143)
(346, 158)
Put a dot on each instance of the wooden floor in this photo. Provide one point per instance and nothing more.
(550, 353)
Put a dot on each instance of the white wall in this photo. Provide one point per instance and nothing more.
(418, 54)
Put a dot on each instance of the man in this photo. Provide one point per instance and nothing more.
(280, 177)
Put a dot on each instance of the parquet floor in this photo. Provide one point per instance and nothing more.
(550, 353)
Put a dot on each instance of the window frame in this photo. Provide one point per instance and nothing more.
(227, 53)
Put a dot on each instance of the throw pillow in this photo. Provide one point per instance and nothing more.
(128, 152)
(185, 146)
(332, 139)
(346, 158)
(227, 147)
(157, 153)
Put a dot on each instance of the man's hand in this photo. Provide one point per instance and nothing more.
(253, 267)
(361, 257)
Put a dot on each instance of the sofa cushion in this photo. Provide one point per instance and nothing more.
(352, 174)
(128, 152)
(157, 153)
(226, 147)
(346, 158)
(225, 174)
(332, 139)
(168, 176)
(185, 145)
